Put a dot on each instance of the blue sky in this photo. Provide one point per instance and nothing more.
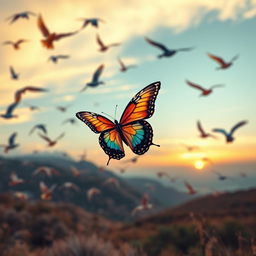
(225, 29)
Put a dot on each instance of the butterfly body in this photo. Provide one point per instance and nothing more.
(132, 129)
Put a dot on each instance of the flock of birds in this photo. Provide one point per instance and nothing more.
(48, 41)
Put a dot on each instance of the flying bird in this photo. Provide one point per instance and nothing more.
(70, 120)
(95, 78)
(112, 181)
(46, 192)
(132, 129)
(48, 171)
(143, 206)
(83, 156)
(104, 47)
(191, 190)
(190, 148)
(16, 44)
(62, 108)
(11, 143)
(162, 174)
(229, 135)
(75, 171)
(9, 111)
(132, 160)
(203, 134)
(204, 91)
(222, 64)
(92, 192)
(15, 180)
(124, 67)
(41, 127)
(33, 107)
(14, 75)
(92, 21)
(70, 185)
(50, 37)
(220, 176)
(23, 15)
(51, 142)
(166, 51)
(21, 195)
(20, 92)
(55, 58)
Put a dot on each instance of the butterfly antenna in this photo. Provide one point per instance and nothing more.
(108, 115)
(115, 111)
(155, 144)
(108, 160)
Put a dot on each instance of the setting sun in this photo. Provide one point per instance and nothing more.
(199, 164)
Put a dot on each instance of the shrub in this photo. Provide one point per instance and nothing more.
(86, 246)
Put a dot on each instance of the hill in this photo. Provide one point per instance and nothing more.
(115, 203)
(228, 218)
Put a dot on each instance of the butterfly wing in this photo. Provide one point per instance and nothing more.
(95, 122)
(111, 143)
(138, 136)
(109, 139)
(142, 105)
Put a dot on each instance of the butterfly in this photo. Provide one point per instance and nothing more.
(132, 129)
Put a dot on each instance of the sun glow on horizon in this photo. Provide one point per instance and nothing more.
(199, 164)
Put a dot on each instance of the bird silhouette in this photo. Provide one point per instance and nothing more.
(83, 156)
(162, 174)
(190, 148)
(70, 185)
(51, 142)
(20, 92)
(143, 206)
(166, 51)
(95, 78)
(75, 171)
(191, 190)
(16, 44)
(229, 135)
(23, 15)
(55, 58)
(104, 47)
(21, 195)
(92, 21)
(14, 75)
(41, 127)
(49, 171)
(203, 134)
(204, 91)
(9, 111)
(46, 192)
(11, 143)
(63, 108)
(92, 192)
(32, 107)
(220, 176)
(70, 120)
(50, 37)
(132, 160)
(112, 181)
(124, 67)
(222, 64)
(15, 180)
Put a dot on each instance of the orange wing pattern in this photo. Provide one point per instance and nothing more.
(97, 123)
(138, 136)
(142, 105)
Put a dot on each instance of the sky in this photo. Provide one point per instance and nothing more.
(224, 28)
